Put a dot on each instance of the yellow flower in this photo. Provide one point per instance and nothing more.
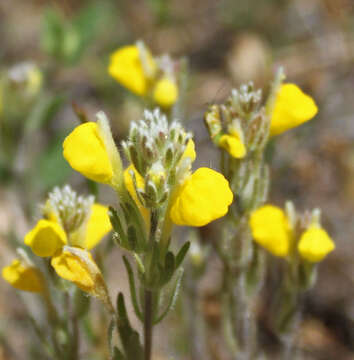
(315, 244)
(23, 277)
(165, 92)
(128, 181)
(86, 152)
(203, 197)
(271, 229)
(127, 67)
(46, 238)
(233, 145)
(292, 108)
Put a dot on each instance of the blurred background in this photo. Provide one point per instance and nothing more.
(54, 56)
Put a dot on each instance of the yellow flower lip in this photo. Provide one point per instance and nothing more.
(271, 229)
(233, 145)
(165, 92)
(73, 268)
(205, 196)
(23, 277)
(315, 244)
(46, 238)
(86, 153)
(292, 108)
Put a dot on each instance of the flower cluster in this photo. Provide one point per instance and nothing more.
(71, 225)
(135, 68)
(285, 233)
(241, 125)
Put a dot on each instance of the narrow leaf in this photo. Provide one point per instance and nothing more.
(173, 298)
(132, 288)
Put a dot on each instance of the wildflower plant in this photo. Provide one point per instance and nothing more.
(156, 191)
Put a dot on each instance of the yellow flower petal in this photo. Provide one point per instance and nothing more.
(315, 244)
(125, 66)
(86, 153)
(46, 238)
(73, 268)
(189, 151)
(204, 197)
(292, 108)
(165, 92)
(128, 181)
(23, 277)
(271, 229)
(233, 145)
(98, 225)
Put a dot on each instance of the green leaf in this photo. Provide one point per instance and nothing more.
(168, 269)
(129, 337)
(132, 288)
(182, 253)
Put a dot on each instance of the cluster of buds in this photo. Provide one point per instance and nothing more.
(155, 149)
(68, 208)
(240, 125)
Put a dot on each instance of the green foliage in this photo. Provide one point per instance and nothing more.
(67, 40)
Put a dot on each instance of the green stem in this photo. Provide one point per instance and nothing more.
(148, 325)
(148, 295)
